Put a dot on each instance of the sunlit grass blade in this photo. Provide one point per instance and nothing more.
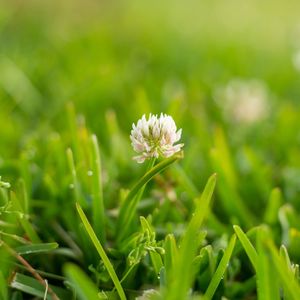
(247, 245)
(101, 252)
(97, 198)
(219, 273)
(267, 279)
(284, 254)
(75, 182)
(83, 286)
(287, 279)
(179, 281)
(128, 207)
(171, 252)
(36, 248)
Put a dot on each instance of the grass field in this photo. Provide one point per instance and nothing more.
(80, 219)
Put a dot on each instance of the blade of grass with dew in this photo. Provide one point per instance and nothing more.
(75, 182)
(251, 235)
(247, 245)
(219, 273)
(84, 287)
(127, 209)
(97, 199)
(101, 252)
(36, 248)
(181, 276)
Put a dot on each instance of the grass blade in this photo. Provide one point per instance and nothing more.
(171, 252)
(267, 279)
(247, 245)
(101, 252)
(289, 284)
(98, 206)
(181, 276)
(219, 273)
(128, 207)
(33, 287)
(84, 287)
(36, 248)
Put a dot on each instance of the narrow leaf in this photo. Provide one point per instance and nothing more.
(219, 273)
(248, 247)
(101, 252)
(181, 276)
(98, 206)
(83, 286)
(36, 248)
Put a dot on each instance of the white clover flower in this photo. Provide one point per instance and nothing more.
(155, 137)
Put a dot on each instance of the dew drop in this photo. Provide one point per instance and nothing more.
(90, 173)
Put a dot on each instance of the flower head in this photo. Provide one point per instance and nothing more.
(155, 137)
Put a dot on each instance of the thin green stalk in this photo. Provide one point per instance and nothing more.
(101, 252)
(75, 183)
(129, 205)
(219, 273)
(247, 245)
(131, 208)
(181, 277)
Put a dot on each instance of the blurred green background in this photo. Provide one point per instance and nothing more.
(227, 71)
(135, 57)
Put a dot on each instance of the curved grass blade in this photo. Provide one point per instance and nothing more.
(128, 207)
(247, 245)
(101, 252)
(219, 273)
(289, 284)
(179, 281)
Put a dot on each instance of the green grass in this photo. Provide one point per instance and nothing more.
(79, 219)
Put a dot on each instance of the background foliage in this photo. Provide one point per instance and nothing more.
(73, 68)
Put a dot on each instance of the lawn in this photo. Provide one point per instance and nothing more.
(215, 218)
